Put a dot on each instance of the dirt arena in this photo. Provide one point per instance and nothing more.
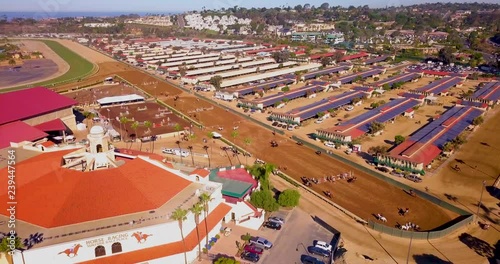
(162, 124)
(30, 71)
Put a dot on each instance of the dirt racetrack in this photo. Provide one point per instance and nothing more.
(364, 197)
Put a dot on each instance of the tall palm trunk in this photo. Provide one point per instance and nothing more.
(197, 220)
(183, 242)
(206, 222)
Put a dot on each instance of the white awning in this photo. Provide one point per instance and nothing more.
(120, 99)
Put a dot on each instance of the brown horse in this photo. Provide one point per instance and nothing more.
(141, 238)
(71, 252)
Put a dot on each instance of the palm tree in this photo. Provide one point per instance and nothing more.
(191, 151)
(148, 125)
(197, 209)
(123, 121)
(134, 126)
(180, 215)
(247, 142)
(88, 116)
(178, 142)
(211, 136)
(229, 158)
(205, 199)
(206, 150)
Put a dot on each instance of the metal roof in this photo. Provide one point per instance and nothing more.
(120, 99)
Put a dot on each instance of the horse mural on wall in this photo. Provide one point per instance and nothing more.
(141, 238)
(71, 252)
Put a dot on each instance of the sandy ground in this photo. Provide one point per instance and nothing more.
(48, 53)
(85, 52)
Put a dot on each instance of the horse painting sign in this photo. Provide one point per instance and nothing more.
(141, 238)
(72, 251)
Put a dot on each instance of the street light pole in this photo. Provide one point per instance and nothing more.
(480, 198)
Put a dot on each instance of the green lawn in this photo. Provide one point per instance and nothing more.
(79, 67)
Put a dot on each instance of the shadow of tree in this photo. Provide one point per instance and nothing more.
(481, 247)
(429, 258)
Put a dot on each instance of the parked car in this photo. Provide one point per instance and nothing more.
(306, 259)
(276, 219)
(329, 144)
(253, 249)
(260, 241)
(397, 174)
(274, 124)
(272, 225)
(318, 251)
(383, 169)
(253, 257)
(323, 245)
(349, 108)
(319, 120)
(167, 151)
(413, 177)
(290, 128)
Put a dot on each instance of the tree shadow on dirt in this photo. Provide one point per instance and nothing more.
(429, 258)
(481, 247)
(493, 260)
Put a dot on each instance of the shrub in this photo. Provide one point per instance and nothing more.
(217, 236)
(246, 237)
(289, 198)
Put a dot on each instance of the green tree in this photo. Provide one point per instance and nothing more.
(88, 116)
(205, 199)
(375, 150)
(6, 242)
(148, 125)
(386, 87)
(178, 128)
(446, 55)
(262, 174)
(12, 62)
(216, 81)
(398, 139)
(226, 260)
(264, 199)
(376, 127)
(197, 209)
(234, 135)
(180, 215)
(478, 120)
(374, 105)
(289, 198)
(325, 61)
(123, 121)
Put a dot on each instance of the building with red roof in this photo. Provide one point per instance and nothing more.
(30, 115)
(96, 205)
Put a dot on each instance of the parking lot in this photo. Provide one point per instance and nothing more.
(298, 233)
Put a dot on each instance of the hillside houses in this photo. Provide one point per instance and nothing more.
(216, 23)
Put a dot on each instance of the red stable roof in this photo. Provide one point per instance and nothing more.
(53, 125)
(136, 186)
(200, 172)
(27, 103)
(18, 131)
(419, 153)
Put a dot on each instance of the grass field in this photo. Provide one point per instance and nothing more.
(79, 67)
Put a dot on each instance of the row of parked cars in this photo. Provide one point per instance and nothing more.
(257, 245)
(411, 177)
(320, 249)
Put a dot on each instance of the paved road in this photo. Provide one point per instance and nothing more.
(299, 232)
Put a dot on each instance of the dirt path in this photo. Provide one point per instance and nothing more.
(85, 52)
(48, 53)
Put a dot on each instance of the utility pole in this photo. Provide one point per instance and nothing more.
(480, 197)
(409, 249)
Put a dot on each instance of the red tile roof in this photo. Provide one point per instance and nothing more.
(416, 152)
(53, 125)
(254, 209)
(135, 186)
(239, 174)
(27, 103)
(170, 249)
(201, 172)
(17, 132)
(354, 56)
